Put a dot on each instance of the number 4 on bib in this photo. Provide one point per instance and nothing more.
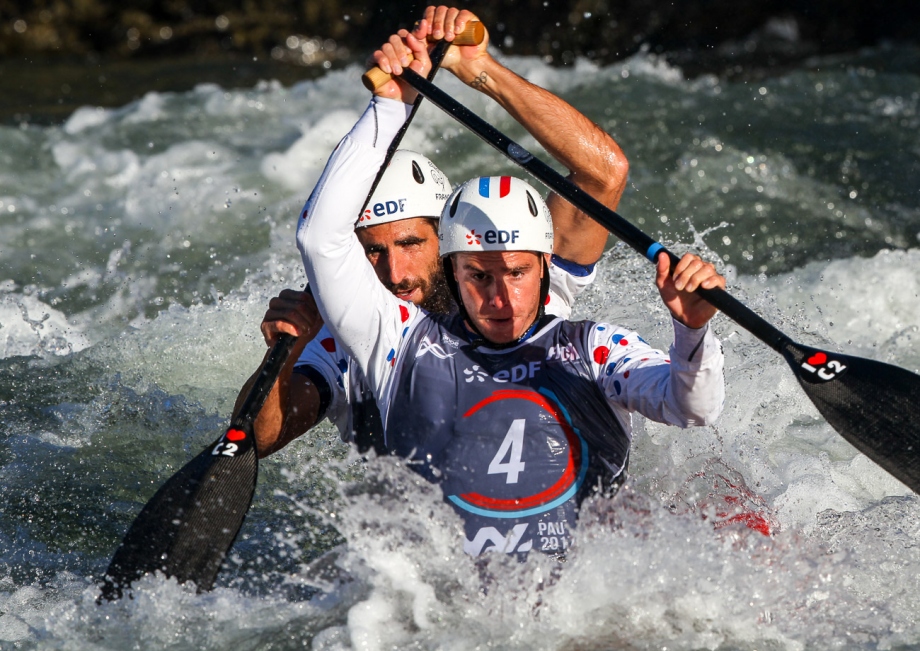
(513, 448)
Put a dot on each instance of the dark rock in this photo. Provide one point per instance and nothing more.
(722, 36)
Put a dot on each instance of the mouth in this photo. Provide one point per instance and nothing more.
(496, 324)
(413, 295)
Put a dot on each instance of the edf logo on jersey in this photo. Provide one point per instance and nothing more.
(513, 374)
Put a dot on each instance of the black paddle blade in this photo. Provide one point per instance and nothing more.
(873, 405)
(186, 529)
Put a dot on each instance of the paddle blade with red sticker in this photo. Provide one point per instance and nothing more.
(873, 405)
(187, 527)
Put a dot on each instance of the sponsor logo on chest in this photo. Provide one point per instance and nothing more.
(514, 374)
(566, 353)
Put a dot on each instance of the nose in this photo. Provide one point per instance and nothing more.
(389, 268)
(395, 267)
(498, 294)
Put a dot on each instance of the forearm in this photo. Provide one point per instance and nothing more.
(291, 408)
(697, 386)
(589, 153)
(595, 161)
(684, 388)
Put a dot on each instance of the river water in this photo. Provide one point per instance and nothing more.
(140, 245)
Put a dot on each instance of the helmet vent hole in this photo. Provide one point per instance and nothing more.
(531, 204)
(417, 173)
(454, 204)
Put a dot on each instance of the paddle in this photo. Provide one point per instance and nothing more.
(186, 529)
(874, 406)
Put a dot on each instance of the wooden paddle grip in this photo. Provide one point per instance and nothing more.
(472, 34)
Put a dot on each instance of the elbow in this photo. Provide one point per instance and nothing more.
(703, 419)
(310, 246)
(617, 171)
(614, 166)
(697, 403)
(305, 243)
(607, 179)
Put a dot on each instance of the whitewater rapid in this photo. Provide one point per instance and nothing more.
(141, 245)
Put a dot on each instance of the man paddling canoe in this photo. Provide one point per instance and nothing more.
(519, 416)
(398, 233)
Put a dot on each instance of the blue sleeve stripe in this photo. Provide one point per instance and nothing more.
(573, 268)
(653, 251)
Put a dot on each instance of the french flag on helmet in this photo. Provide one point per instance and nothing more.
(502, 186)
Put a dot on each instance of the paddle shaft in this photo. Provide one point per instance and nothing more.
(627, 232)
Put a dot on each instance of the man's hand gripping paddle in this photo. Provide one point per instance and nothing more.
(874, 406)
(189, 525)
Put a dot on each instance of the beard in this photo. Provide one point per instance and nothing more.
(437, 296)
(439, 299)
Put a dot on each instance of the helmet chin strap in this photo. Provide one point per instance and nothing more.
(481, 339)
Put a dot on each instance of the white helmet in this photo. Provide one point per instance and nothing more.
(411, 186)
(497, 213)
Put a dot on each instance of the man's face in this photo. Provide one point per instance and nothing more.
(500, 291)
(404, 255)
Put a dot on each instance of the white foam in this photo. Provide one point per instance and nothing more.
(150, 108)
(81, 162)
(298, 168)
(86, 117)
(30, 327)
(868, 304)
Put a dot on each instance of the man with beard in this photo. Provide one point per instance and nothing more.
(398, 232)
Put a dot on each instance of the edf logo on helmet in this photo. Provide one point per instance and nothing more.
(384, 208)
(501, 237)
(493, 237)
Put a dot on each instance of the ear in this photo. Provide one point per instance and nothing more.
(548, 258)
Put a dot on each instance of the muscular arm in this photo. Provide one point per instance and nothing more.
(292, 408)
(293, 404)
(594, 160)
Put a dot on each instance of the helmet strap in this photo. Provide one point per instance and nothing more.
(544, 289)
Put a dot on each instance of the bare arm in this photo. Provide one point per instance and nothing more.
(594, 160)
(292, 406)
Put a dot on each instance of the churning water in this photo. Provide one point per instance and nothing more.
(140, 246)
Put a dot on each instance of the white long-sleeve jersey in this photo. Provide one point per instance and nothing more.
(367, 320)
